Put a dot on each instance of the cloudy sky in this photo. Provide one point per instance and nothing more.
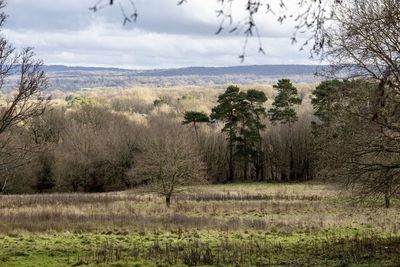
(165, 35)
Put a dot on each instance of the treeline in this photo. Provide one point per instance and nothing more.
(86, 146)
(89, 147)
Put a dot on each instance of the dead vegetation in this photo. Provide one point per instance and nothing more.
(276, 208)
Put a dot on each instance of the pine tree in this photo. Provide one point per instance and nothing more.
(227, 111)
(327, 102)
(242, 112)
(194, 117)
(326, 99)
(45, 180)
(283, 111)
(257, 100)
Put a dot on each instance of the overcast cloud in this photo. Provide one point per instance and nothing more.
(165, 35)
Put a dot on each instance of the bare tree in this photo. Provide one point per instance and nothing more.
(365, 44)
(98, 149)
(25, 101)
(28, 100)
(365, 41)
(362, 154)
(170, 159)
(309, 15)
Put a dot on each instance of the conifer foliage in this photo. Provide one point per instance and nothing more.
(242, 113)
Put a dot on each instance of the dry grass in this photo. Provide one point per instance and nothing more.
(270, 207)
(218, 225)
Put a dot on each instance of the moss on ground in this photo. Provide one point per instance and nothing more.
(330, 247)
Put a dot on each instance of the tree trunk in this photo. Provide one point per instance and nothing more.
(196, 132)
(257, 170)
(291, 176)
(387, 191)
(168, 201)
(262, 175)
(231, 171)
(290, 163)
(272, 172)
(246, 166)
(387, 200)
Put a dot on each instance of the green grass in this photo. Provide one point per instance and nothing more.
(330, 247)
(221, 225)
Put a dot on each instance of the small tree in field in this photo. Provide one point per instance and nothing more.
(283, 111)
(170, 159)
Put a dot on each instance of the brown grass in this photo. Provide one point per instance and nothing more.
(269, 207)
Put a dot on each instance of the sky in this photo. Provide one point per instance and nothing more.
(165, 35)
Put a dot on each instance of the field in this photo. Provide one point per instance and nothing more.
(214, 225)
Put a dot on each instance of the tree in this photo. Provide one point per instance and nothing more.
(194, 117)
(284, 103)
(365, 43)
(327, 101)
(169, 159)
(363, 155)
(97, 151)
(309, 15)
(241, 113)
(248, 142)
(227, 111)
(25, 100)
(45, 132)
(283, 111)
(257, 100)
(46, 180)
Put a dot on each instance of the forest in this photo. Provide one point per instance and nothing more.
(105, 141)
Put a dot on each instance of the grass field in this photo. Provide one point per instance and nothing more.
(215, 225)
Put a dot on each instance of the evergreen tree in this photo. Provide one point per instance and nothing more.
(227, 111)
(283, 111)
(242, 112)
(45, 180)
(284, 103)
(257, 99)
(326, 100)
(194, 117)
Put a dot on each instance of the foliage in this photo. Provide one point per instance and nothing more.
(80, 101)
(365, 129)
(359, 151)
(194, 117)
(241, 113)
(283, 106)
(283, 110)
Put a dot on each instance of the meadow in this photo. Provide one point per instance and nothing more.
(256, 224)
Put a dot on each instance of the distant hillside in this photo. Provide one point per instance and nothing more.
(74, 78)
(259, 70)
(62, 68)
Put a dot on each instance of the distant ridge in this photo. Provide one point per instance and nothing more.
(234, 70)
(207, 71)
(60, 68)
(74, 78)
